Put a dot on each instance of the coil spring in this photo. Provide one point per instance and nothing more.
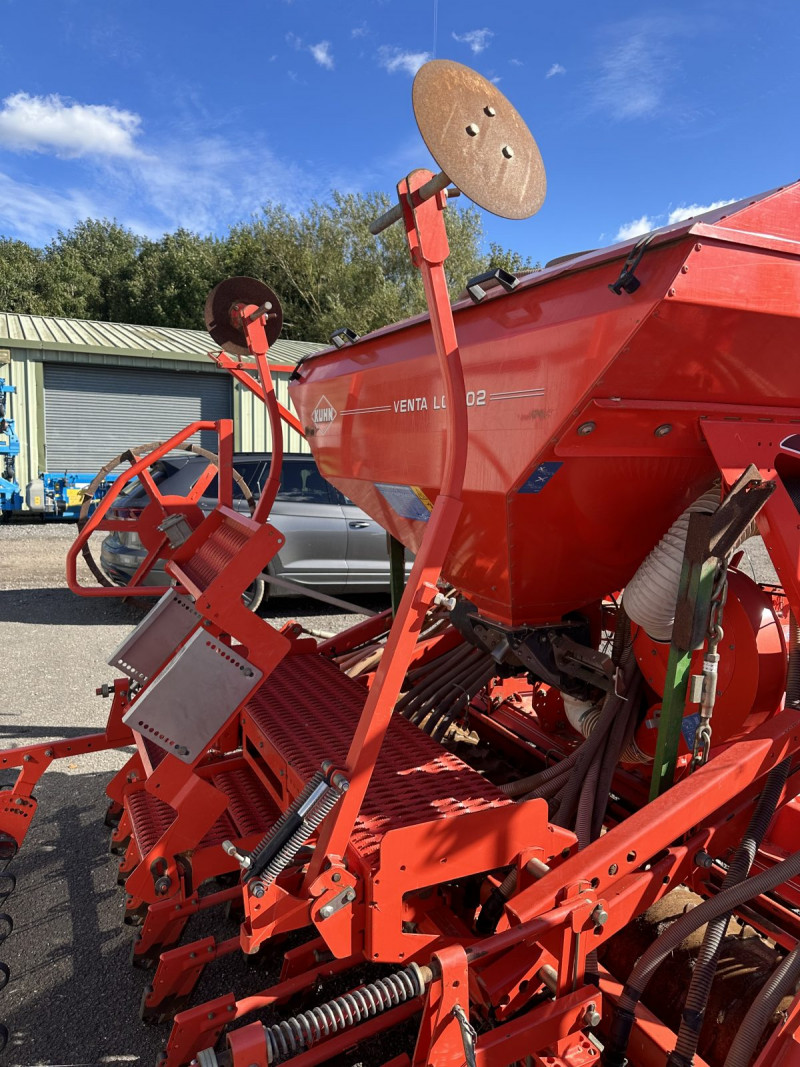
(281, 860)
(315, 780)
(290, 1036)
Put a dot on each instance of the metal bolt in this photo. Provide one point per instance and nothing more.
(703, 859)
(599, 916)
(49, 753)
(507, 151)
(19, 801)
(192, 955)
(162, 885)
(473, 130)
(257, 890)
(591, 1017)
(350, 895)
(587, 428)
(210, 1015)
(336, 877)
(326, 911)
(490, 111)
(27, 757)
(663, 429)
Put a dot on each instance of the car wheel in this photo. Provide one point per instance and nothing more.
(253, 596)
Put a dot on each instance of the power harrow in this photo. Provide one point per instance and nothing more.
(546, 811)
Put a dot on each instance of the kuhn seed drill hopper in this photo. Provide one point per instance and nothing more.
(533, 818)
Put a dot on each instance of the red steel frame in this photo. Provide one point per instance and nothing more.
(555, 914)
(548, 922)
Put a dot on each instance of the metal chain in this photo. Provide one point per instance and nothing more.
(702, 739)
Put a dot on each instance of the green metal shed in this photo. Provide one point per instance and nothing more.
(88, 390)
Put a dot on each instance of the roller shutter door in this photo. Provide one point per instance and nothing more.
(92, 413)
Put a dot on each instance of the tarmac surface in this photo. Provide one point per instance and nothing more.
(73, 997)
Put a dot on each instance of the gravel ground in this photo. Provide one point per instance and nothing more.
(73, 997)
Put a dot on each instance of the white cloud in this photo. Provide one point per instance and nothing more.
(516, 63)
(555, 69)
(690, 210)
(477, 40)
(359, 31)
(668, 218)
(393, 60)
(63, 128)
(639, 57)
(34, 213)
(322, 54)
(635, 228)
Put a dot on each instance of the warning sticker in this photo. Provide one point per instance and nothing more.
(408, 501)
(540, 477)
(689, 729)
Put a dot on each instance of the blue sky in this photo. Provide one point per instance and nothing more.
(190, 114)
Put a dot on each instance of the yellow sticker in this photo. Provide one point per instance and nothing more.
(418, 493)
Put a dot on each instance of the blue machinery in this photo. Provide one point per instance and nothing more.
(10, 497)
(53, 495)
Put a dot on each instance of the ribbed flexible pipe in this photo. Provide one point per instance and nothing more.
(651, 595)
(705, 967)
(781, 982)
(649, 962)
(523, 786)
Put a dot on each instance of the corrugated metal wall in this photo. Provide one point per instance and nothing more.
(27, 407)
(252, 425)
(95, 412)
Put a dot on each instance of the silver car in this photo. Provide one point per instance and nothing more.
(330, 544)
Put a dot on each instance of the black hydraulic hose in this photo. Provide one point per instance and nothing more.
(781, 982)
(440, 702)
(586, 803)
(621, 735)
(793, 673)
(489, 915)
(587, 753)
(708, 958)
(705, 966)
(477, 681)
(525, 786)
(550, 789)
(625, 1014)
(409, 705)
(430, 682)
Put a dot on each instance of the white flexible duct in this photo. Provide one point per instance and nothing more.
(651, 595)
(577, 712)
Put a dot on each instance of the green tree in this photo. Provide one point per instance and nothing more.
(172, 279)
(329, 271)
(511, 261)
(20, 278)
(87, 270)
(323, 263)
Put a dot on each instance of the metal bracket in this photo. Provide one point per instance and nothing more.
(627, 281)
(341, 900)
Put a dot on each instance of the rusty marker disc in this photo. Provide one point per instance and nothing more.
(239, 291)
(479, 139)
